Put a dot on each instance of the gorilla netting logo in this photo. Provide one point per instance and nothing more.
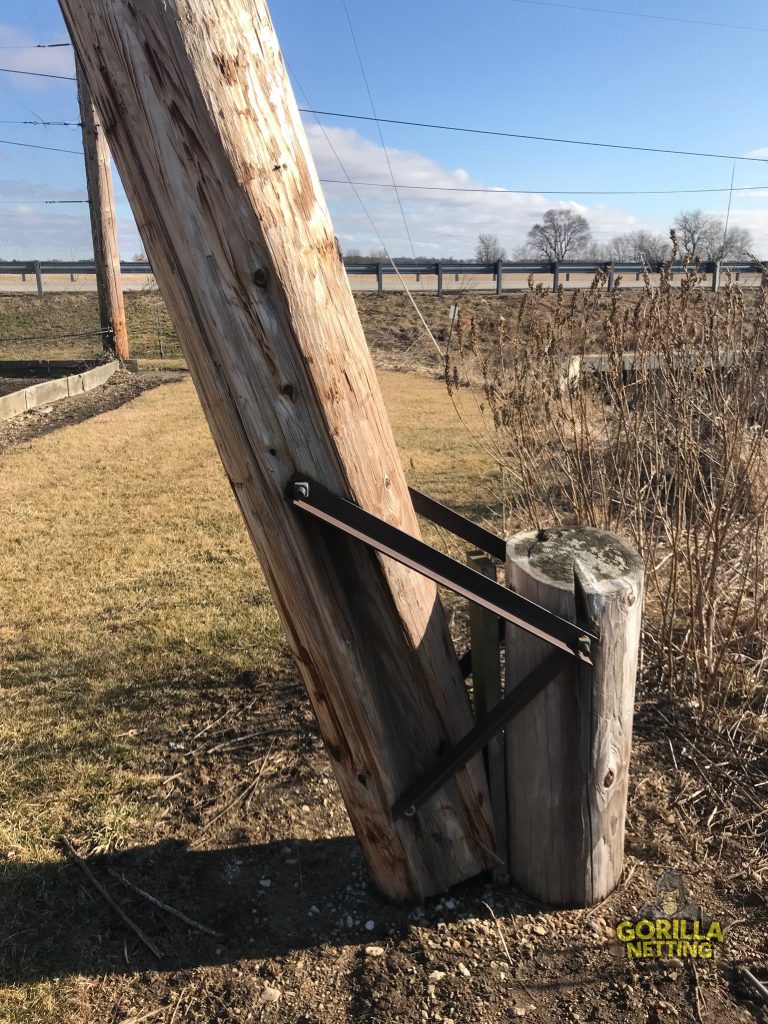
(670, 925)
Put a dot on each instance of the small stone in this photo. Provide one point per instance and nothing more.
(518, 1011)
(305, 808)
(370, 925)
(374, 951)
(270, 995)
(463, 970)
(348, 921)
(540, 929)
(436, 976)
(265, 883)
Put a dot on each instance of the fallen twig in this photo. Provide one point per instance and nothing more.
(163, 906)
(71, 852)
(144, 1016)
(754, 983)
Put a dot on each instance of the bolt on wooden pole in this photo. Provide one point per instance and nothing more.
(205, 132)
(568, 751)
(106, 255)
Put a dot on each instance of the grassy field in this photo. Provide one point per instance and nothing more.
(392, 327)
(133, 614)
(153, 715)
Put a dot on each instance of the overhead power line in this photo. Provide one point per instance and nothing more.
(42, 202)
(34, 46)
(546, 192)
(640, 14)
(378, 126)
(38, 74)
(48, 124)
(31, 145)
(531, 138)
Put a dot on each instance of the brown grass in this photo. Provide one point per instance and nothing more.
(131, 591)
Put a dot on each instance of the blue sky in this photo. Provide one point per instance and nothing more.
(514, 66)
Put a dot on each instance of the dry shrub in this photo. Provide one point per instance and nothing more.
(646, 417)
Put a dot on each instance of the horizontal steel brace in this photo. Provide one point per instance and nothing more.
(314, 499)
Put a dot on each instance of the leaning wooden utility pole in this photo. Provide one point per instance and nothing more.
(106, 255)
(205, 132)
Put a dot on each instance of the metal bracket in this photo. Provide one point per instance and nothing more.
(569, 639)
(313, 498)
(456, 756)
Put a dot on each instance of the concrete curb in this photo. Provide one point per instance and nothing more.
(55, 390)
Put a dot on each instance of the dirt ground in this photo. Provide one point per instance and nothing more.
(120, 388)
(154, 715)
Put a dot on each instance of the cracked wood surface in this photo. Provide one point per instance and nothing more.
(205, 132)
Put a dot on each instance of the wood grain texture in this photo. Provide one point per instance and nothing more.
(106, 255)
(205, 132)
(568, 753)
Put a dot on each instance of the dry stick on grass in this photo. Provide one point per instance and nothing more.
(163, 906)
(144, 1016)
(71, 852)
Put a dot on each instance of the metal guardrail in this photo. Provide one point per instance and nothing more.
(439, 269)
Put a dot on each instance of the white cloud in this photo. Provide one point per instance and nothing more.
(758, 154)
(440, 223)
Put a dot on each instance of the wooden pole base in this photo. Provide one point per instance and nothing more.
(568, 752)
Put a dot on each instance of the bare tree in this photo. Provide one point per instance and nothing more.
(640, 245)
(732, 244)
(353, 256)
(560, 233)
(697, 231)
(705, 236)
(522, 252)
(488, 249)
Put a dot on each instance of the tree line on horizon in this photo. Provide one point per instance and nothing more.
(564, 234)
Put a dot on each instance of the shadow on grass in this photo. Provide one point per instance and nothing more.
(262, 900)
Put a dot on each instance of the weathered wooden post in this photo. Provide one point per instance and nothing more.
(106, 255)
(38, 278)
(439, 272)
(499, 273)
(568, 751)
(555, 276)
(486, 681)
(204, 128)
(379, 277)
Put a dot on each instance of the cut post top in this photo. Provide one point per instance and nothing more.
(600, 561)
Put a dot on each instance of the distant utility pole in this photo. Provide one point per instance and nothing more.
(101, 194)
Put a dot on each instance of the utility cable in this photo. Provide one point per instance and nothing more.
(370, 220)
(34, 46)
(546, 192)
(32, 145)
(531, 138)
(640, 14)
(378, 126)
(42, 202)
(38, 74)
(48, 124)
